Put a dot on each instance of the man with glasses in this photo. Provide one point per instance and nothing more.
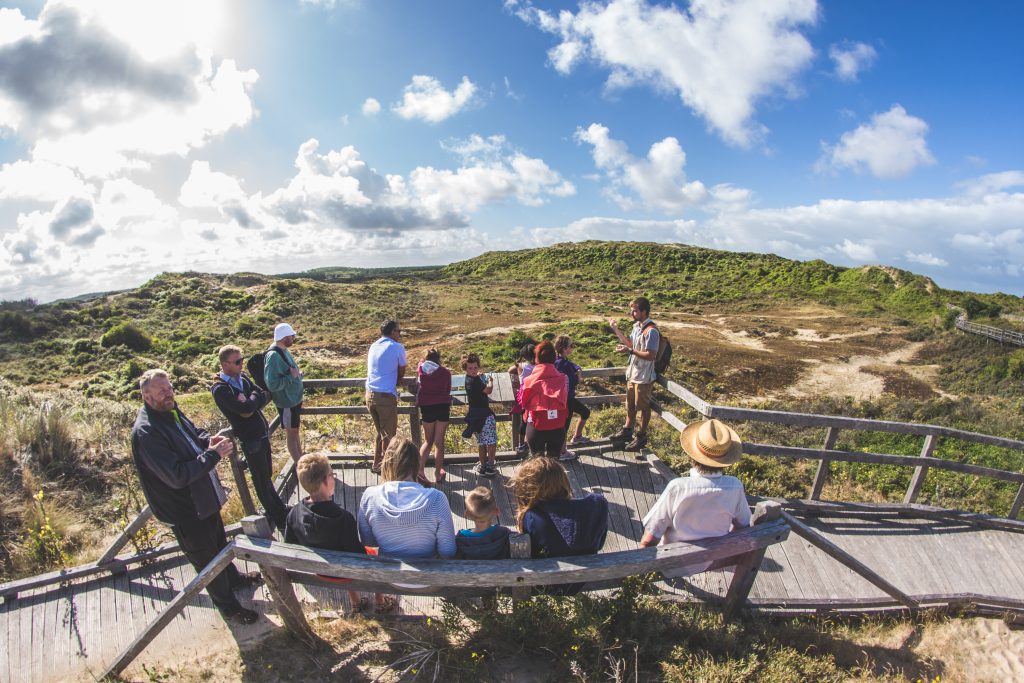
(176, 462)
(385, 368)
(242, 401)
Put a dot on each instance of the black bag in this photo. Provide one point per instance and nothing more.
(664, 355)
(255, 366)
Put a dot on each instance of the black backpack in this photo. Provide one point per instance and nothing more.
(255, 366)
(664, 355)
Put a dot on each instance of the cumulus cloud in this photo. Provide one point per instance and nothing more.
(719, 56)
(425, 98)
(40, 181)
(926, 259)
(985, 257)
(658, 181)
(88, 95)
(992, 182)
(371, 107)
(851, 58)
(890, 146)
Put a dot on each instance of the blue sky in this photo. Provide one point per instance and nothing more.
(283, 135)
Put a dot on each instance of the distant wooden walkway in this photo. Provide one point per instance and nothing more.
(998, 333)
(72, 632)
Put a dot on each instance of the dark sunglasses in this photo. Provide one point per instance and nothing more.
(238, 362)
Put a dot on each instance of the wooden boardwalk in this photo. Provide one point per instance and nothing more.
(72, 632)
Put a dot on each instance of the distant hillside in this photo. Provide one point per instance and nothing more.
(101, 344)
(679, 274)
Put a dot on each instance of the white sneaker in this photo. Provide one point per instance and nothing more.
(567, 455)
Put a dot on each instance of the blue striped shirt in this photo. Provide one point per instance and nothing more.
(407, 521)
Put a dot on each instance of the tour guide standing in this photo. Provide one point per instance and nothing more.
(176, 463)
(242, 401)
(642, 347)
(283, 378)
(385, 368)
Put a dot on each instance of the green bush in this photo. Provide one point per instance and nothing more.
(126, 334)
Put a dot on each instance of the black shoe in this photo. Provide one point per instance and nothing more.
(623, 435)
(638, 443)
(247, 580)
(243, 615)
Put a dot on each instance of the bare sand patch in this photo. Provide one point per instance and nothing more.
(848, 378)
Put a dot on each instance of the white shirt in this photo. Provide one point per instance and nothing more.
(695, 507)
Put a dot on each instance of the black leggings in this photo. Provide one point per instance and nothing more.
(547, 442)
(575, 407)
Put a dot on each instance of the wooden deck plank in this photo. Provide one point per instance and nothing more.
(1007, 551)
(7, 651)
(844, 582)
(618, 519)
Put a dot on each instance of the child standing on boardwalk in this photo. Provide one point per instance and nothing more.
(319, 522)
(480, 418)
(487, 540)
(523, 368)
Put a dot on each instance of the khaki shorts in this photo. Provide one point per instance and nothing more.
(384, 413)
(638, 396)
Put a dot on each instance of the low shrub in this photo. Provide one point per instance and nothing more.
(126, 334)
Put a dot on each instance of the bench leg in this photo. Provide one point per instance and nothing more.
(742, 582)
(279, 585)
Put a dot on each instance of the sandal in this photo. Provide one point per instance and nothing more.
(388, 605)
(375, 469)
(362, 606)
(440, 476)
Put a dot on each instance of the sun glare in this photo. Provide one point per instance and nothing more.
(159, 29)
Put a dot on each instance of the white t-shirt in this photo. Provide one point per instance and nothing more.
(698, 506)
(641, 371)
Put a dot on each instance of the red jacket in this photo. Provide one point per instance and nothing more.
(545, 395)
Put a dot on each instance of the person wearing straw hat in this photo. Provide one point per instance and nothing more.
(707, 503)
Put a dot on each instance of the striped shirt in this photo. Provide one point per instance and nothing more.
(407, 521)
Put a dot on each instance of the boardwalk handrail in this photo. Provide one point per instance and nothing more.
(827, 453)
(998, 333)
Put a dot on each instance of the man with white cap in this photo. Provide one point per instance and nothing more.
(284, 380)
(707, 503)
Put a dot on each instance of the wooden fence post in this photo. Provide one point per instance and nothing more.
(746, 569)
(282, 593)
(243, 488)
(519, 548)
(822, 474)
(145, 514)
(1018, 501)
(921, 471)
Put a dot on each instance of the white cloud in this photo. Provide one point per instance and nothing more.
(992, 182)
(425, 98)
(890, 146)
(925, 259)
(40, 181)
(851, 58)
(719, 56)
(209, 189)
(857, 251)
(657, 182)
(371, 107)
(87, 92)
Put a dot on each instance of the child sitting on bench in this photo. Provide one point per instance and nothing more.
(487, 540)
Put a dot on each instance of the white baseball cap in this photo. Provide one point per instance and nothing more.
(283, 330)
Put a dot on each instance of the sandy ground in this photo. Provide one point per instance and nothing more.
(826, 377)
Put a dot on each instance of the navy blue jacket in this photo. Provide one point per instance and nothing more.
(176, 482)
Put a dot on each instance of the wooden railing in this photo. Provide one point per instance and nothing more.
(930, 434)
(997, 333)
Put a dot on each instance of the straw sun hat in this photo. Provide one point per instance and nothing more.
(711, 443)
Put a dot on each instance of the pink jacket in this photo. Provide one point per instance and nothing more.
(544, 390)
